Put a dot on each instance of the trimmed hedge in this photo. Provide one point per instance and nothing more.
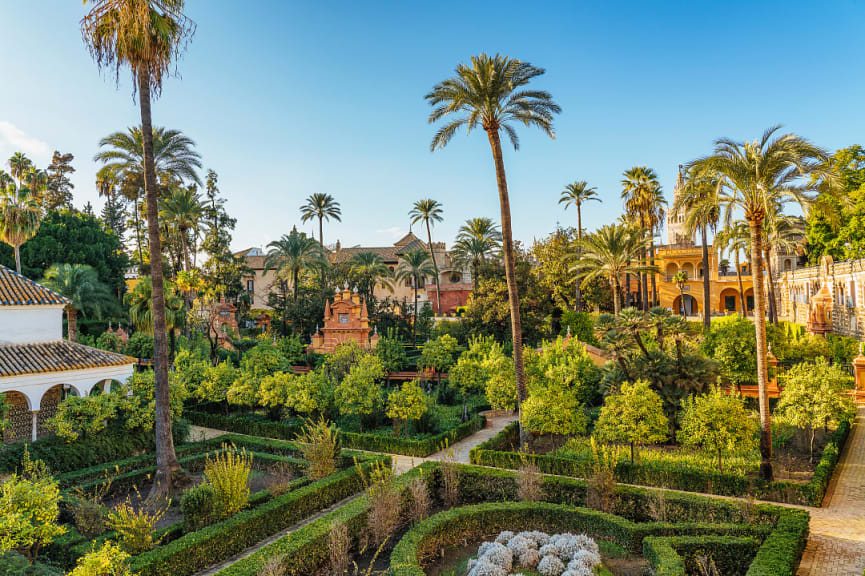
(305, 552)
(688, 479)
(372, 442)
(197, 550)
(731, 555)
(113, 443)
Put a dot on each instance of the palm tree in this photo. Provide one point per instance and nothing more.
(174, 158)
(414, 266)
(148, 36)
(107, 182)
(291, 255)
(182, 210)
(140, 302)
(781, 233)
(429, 211)
(369, 271)
(20, 215)
(477, 240)
(735, 237)
(576, 194)
(323, 207)
(610, 253)
(681, 280)
(698, 201)
(755, 175)
(87, 294)
(644, 201)
(491, 93)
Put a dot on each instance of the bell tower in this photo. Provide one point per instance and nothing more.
(676, 222)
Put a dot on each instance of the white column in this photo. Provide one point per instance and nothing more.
(35, 415)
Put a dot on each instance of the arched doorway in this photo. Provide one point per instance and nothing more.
(51, 399)
(729, 301)
(749, 300)
(686, 302)
(19, 417)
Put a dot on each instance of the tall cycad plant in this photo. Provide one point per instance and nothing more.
(576, 194)
(756, 175)
(414, 266)
(87, 294)
(611, 252)
(699, 203)
(491, 93)
(148, 36)
(429, 211)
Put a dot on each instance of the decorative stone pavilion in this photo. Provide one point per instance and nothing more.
(38, 368)
(345, 319)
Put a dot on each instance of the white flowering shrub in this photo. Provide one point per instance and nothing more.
(557, 555)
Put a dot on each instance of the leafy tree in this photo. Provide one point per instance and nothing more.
(85, 415)
(634, 415)
(731, 343)
(755, 175)
(28, 514)
(359, 393)
(86, 293)
(58, 189)
(110, 342)
(501, 387)
(439, 354)
(291, 348)
(814, 395)
(490, 93)
(217, 381)
(310, 394)
(223, 272)
(718, 423)
(553, 409)
(339, 362)
(468, 376)
(73, 238)
(429, 211)
(407, 403)
(392, 354)
(140, 345)
(566, 366)
(258, 363)
(136, 403)
(554, 255)
(114, 211)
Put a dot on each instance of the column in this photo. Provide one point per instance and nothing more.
(35, 416)
(859, 371)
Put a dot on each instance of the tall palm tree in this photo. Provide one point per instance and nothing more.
(699, 203)
(610, 253)
(681, 280)
(292, 254)
(414, 266)
(491, 93)
(641, 192)
(735, 237)
(323, 207)
(140, 302)
(174, 159)
(576, 194)
(429, 211)
(149, 36)
(20, 215)
(87, 294)
(781, 233)
(477, 240)
(369, 271)
(19, 165)
(107, 183)
(754, 176)
(182, 209)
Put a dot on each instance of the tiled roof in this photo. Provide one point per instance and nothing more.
(16, 290)
(387, 253)
(57, 356)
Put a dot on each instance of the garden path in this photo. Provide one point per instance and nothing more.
(836, 545)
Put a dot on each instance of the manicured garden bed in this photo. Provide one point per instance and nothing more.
(497, 452)
(771, 537)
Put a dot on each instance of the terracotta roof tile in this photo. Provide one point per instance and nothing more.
(16, 290)
(57, 356)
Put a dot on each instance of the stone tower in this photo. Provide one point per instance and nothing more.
(676, 223)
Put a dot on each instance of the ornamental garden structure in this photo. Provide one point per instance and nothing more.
(38, 368)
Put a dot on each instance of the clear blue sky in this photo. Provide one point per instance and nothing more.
(289, 98)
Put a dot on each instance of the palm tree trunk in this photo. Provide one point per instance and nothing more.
(72, 323)
(579, 250)
(17, 258)
(414, 315)
(510, 275)
(760, 329)
(435, 267)
(617, 306)
(321, 232)
(652, 264)
(773, 304)
(166, 459)
(137, 230)
(185, 249)
(644, 279)
(627, 288)
(744, 308)
(707, 292)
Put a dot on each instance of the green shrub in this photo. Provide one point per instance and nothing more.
(140, 345)
(198, 506)
(228, 473)
(321, 448)
(134, 527)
